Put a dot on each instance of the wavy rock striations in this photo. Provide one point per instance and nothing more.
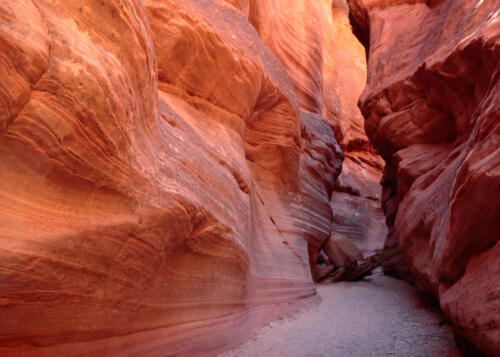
(356, 200)
(160, 184)
(432, 109)
(326, 63)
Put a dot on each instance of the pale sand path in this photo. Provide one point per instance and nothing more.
(380, 316)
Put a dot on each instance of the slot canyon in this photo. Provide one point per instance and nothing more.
(176, 174)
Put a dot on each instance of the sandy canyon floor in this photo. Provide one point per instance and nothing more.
(379, 316)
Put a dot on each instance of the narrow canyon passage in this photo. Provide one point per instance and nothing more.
(176, 174)
(380, 316)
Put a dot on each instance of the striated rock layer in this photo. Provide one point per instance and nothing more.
(432, 109)
(315, 43)
(161, 186)
(356, 200)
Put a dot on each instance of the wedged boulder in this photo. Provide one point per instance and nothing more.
(340, 250)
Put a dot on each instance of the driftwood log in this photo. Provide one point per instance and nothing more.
(358, 269)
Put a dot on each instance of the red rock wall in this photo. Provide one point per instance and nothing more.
(327, 65)
(161, 184)
(432, 105)
(356, 200)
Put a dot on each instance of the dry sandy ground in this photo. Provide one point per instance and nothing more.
(380, 316)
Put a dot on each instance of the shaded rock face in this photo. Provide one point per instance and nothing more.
(432, 109)
(163, 186)
(340, 250)
(356, 201)
(327, 65)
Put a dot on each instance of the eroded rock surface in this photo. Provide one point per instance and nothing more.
(160, 182)
(432, 106)
(327, 65)
(356, 201)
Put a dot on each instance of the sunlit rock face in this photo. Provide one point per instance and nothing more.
(432, 106)
(162, 189)
(315, 43)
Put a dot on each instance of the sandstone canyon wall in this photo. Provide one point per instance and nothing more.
(327, 65)
(165, 179)
(432, 109)
(356, 200)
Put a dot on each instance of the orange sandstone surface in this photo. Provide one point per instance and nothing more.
(170, 168)
(432, 109)
(167, 168)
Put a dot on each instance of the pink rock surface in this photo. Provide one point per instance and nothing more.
(356, 202)
(160, 183)
(432, 105)
(340, 250)
(327, 65)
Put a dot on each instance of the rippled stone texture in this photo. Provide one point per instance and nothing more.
(356, 202)
(161, 187)
(314, 41)
(432, 106)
